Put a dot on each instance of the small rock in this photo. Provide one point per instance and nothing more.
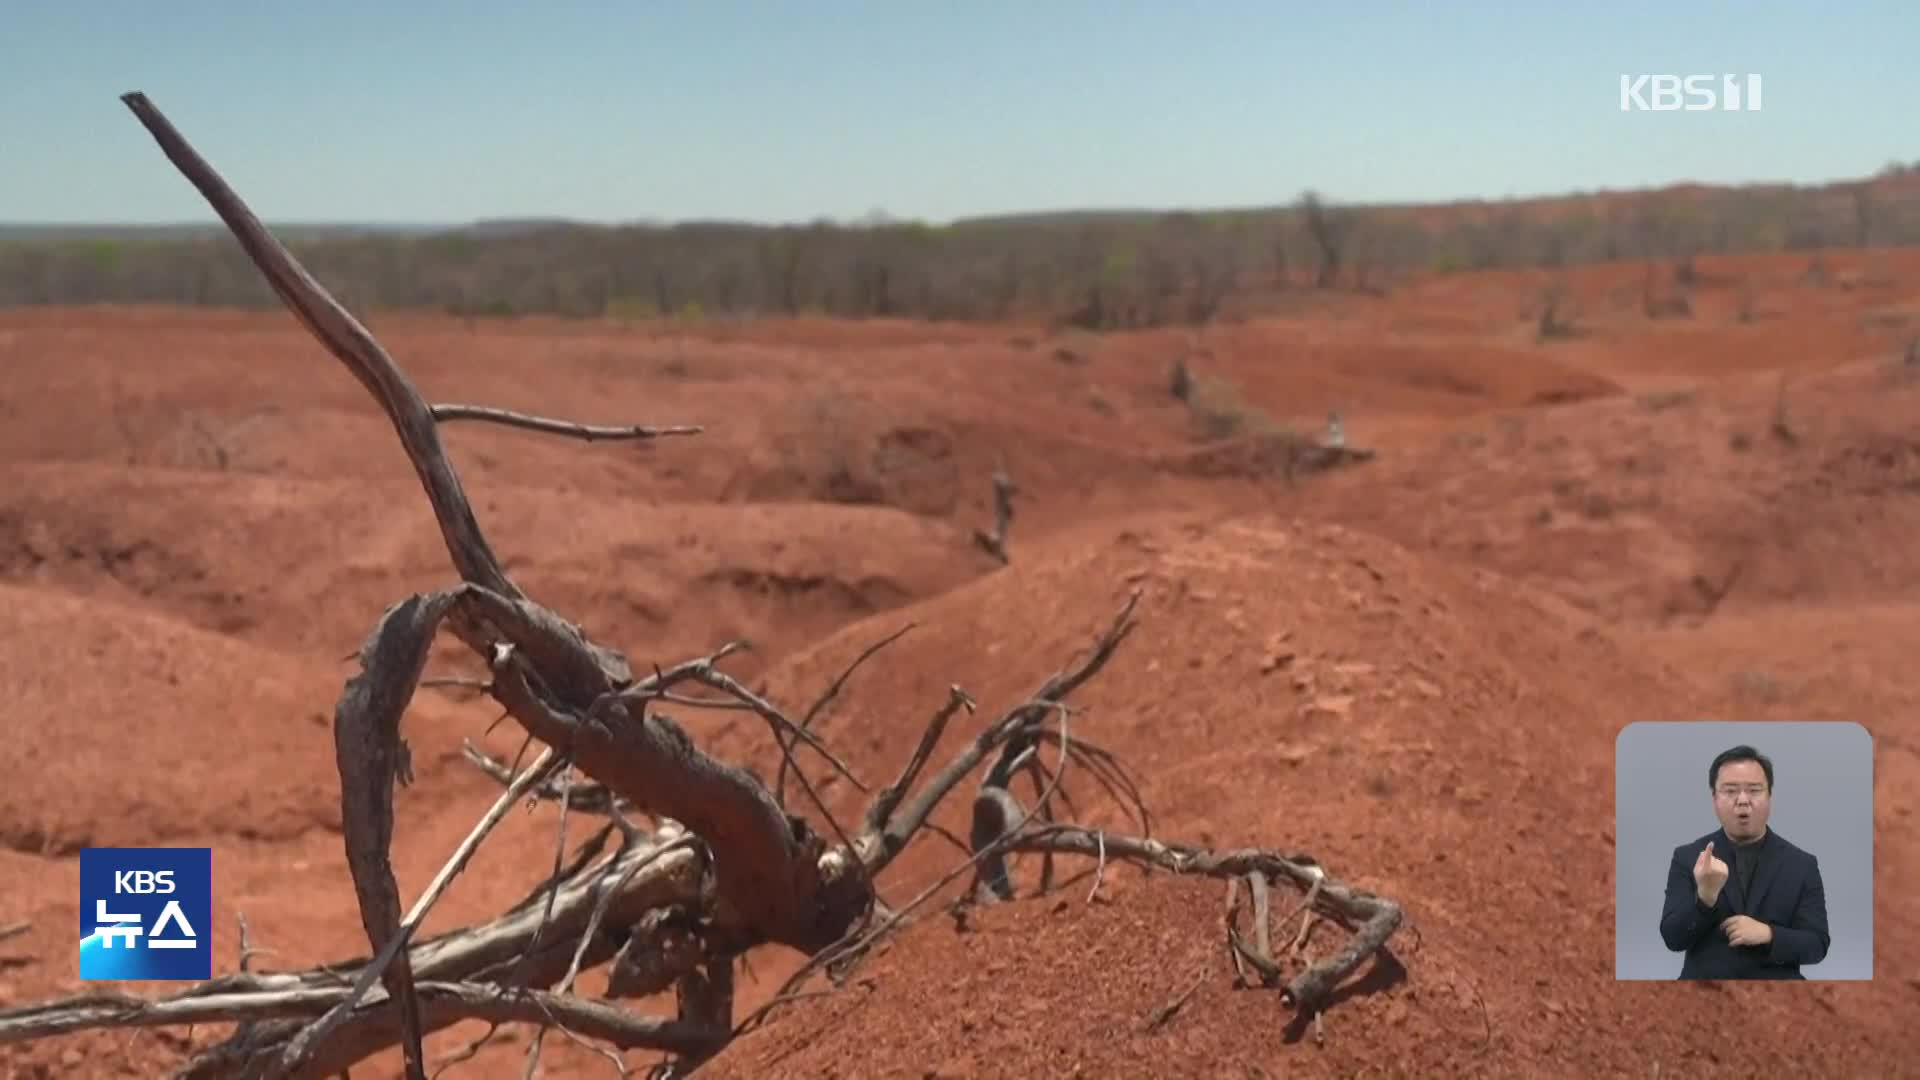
(1425, 688)
(1273, 661)
(1294, 753)
(1204, 596)
(1336, 707)
(71, 1057)
(1555, 1008)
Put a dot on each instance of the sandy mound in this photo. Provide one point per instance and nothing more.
(1672, 503)
(251, 556)
(1368, 697)
(145, 718)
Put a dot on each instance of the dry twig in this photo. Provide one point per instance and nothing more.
(995, 543)
(548, 426)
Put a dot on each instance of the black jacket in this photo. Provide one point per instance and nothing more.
(1787, 895)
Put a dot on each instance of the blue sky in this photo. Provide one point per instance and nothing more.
(431, 111)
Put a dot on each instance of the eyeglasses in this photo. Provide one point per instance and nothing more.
(1730, 791)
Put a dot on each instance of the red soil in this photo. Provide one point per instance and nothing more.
(1414, 668)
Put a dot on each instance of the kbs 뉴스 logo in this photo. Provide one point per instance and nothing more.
(145, 913)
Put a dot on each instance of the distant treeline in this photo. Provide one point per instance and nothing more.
(1097, 270)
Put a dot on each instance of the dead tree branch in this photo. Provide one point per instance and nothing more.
(880, 843)
(995, 542)
(820, 703)
(1370, 917)
(589, 797)
(1003, 826)
(441, 1003)
(726, 870)
(1780, 426)
(774, 883)
(662, 870)
(548, 426)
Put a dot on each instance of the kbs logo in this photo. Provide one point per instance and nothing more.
(145, 913)
(1689, 93)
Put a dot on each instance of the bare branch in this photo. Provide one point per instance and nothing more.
(1107, 770)
(880, 811)
(352, 345)
(1262, 913)
(1167, 1012)
(441, 1004)
(593, 926)
(585, 432)
(777, 721)
(666, 870)
(995, 542)
(878, 850)
(371, 756)
(247, 951)
(1372, 918)
(832, 691)
(588, 797)
(1233, 932)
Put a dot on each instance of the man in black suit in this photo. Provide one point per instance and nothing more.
(1763, 916)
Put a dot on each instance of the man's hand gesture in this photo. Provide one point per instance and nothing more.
(1742, 930)
(1709, 874)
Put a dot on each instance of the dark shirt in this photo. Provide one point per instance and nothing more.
(1746, 860)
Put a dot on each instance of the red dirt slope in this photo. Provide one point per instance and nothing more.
(1436, 734)
(1413, 669)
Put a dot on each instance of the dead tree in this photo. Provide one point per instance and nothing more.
(995, 543)
(1180, 379)
(1555, 321)
(1329, 230)
(726, 867)
(1781, 426)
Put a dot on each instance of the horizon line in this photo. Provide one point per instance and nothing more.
(882, 216)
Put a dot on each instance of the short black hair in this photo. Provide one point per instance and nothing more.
(1743, 752)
